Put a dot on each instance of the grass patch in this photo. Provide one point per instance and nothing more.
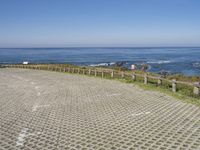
(166, 89)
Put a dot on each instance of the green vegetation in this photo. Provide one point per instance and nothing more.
(181, 77)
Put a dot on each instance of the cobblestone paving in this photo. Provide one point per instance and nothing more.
(50, 110)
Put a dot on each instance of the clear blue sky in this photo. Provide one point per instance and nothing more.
(41, 23)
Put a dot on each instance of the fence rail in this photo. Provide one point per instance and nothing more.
(113, 74)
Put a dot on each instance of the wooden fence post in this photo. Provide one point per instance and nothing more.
(159, 81)
(78, 70)
(112, 74)
(89, 72)
(102, 74)
(196, 89)
(174, 83)
(134, 77)
(122, 74)
(72, 70)
(83, 71)
(145, 79)
(95, 73)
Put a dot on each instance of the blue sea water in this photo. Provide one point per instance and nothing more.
(185, 60)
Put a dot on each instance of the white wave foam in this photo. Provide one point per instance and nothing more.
(102, 64)
(196, 65)
(112, 63)
(149, 67)
(159, 62)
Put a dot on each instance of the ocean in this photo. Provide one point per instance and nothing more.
(184, 60)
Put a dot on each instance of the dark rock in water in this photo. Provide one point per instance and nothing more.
(145, 67)
(164, 73)
(120, 64)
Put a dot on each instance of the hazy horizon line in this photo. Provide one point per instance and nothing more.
(61, 47)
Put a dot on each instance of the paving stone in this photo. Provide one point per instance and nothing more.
(51, 110)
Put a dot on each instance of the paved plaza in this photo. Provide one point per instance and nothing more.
(46, 110)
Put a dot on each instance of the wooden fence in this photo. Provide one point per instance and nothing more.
(108, 73)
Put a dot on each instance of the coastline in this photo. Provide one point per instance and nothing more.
(175, 60)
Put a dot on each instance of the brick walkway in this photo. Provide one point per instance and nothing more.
(50, 110)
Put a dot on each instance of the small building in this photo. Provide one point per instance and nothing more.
(133, 67)
(25, 63)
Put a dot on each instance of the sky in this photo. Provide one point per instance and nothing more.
(66, 23)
